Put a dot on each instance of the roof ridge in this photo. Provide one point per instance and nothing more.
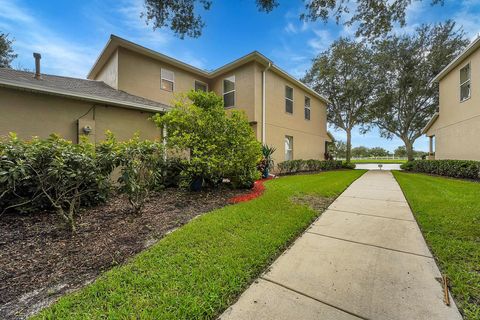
(49, 75)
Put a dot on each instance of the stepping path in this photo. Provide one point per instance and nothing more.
(364, 258)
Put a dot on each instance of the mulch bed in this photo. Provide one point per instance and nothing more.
(40, 260)
(257, 191)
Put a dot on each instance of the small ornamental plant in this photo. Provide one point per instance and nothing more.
(51, 174)
(266, 164)
(220, 144)
(141, 163)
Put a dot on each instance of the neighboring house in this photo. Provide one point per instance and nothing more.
(128, 83)
(34, 104)
(454, 130)
(282, 111)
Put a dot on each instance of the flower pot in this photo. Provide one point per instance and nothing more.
(265, 173)
(196, 184)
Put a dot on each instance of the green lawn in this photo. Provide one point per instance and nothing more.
(378, 161)
(199, 270)
(448, 211)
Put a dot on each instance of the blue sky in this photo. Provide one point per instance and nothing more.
(70, 35)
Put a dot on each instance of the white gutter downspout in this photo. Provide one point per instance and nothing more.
(264, 102)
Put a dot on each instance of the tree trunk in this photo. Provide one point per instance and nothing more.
(349, 145)
(409, 148)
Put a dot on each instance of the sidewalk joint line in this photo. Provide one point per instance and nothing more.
(313, 298)
(372, 215)
(371, 245)
(402, 201)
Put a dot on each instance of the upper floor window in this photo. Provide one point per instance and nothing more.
(201, 86)
(307, 108)
(465, 91)
(288, 148)
(288, 99)
(229, 91)
(167, 80)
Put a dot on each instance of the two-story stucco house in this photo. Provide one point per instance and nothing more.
(454, 131)
(282, 111)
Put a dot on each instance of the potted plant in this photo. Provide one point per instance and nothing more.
(267, 162)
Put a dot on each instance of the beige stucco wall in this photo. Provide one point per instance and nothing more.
(309, 136)
(109, 72)
(457, 129)
(245, 87)
(140, 75)
(35, 114)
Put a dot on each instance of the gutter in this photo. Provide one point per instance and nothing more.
(63, 93)
(264, 83)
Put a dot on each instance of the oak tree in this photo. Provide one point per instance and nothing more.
(6, 51)
(345, 75)
(373, 18)
(405, 97)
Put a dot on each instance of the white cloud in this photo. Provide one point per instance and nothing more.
(322, 40)
(59, 55)
(129, 24)
(290, 28)
(468, 17)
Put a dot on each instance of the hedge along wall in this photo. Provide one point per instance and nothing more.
(466, 169)
(312, 165)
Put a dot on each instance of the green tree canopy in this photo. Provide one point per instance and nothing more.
(405, 98)
(345, 75)
(373, 17)
(339, 149)
(378, 152)
(6, 51)
(221, 144)
(360, 152)
(400, 152)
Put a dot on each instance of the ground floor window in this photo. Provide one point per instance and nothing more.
(288, 148)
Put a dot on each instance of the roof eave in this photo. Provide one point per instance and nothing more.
(301, 84)
(63, 93)
(455, 62)
(115, 42)
(430, 123)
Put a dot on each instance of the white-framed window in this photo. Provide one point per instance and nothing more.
(288, 99)
(288, 148)
(307, 108)
(167, 80)
(201, 86)
(229, 92)
(465, 83)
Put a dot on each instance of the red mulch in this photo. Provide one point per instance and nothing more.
(255, 192)
(40, 260)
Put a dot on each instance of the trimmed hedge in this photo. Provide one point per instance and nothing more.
(311, 165)
(466, 169)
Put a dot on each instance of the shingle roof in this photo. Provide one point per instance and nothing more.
(91, 90)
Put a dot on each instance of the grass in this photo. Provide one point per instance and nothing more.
(398, 161)
(199, 270)
(448, 212)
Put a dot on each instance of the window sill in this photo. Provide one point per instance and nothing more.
(466, 99)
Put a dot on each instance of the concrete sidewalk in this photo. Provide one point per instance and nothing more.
(364, 258)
